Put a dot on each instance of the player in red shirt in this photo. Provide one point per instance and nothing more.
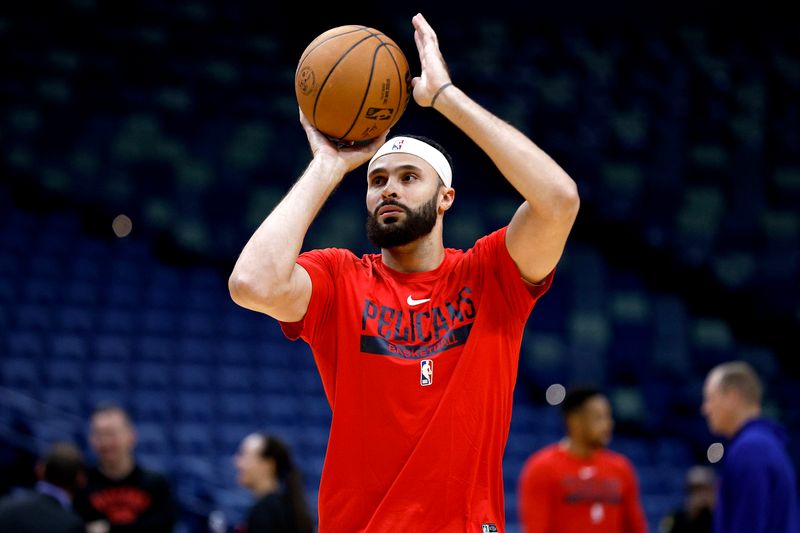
(578, 485)
(418, 345)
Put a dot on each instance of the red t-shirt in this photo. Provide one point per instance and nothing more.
(562, 493)
(419, 370)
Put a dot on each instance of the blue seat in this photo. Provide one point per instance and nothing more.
(74, 319)
(199, 323)
(69, 346)
(239, 408)
(314, 410)
(112, 348)
(152, 406)
(66, 399)
(280, 408)
(193, 377)
(33, 317)
(81, 292)
(8, 290)
(109, 374)
(48, 431)
(192, 439)
(44, 266)
(25, 345)
(41, 291)
(229, 435)
(235, 378)
(84, 268)
(156, 348)
(125, 295)
(276, 380)
(194, 406)
(234, 352)
(158, 321)
(118, 321)
(159, 462)
(20, 374)
(152, 438)
(152, 375)
(65, 373)
(197, 350)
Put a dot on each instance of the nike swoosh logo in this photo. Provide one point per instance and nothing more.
(412, 302)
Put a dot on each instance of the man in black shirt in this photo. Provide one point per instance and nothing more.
(120, 495)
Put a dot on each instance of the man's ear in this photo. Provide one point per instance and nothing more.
(448, 197)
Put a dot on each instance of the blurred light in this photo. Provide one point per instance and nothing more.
(122, 226)
(715, 452)
(555, 394)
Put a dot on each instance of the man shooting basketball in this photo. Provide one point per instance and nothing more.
(413, 451)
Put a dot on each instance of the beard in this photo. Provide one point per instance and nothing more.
(418, 223)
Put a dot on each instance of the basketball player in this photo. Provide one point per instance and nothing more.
(418, 345)
(578, 485)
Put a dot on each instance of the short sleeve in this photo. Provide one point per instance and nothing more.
(501, 271)
(322, 267)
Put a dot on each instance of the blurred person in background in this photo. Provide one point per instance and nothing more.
(757, 488)
(694, 516)
(61, 473)
(578, 485)
(264, 467)
(120, 495)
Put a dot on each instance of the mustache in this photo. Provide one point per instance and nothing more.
(390, 202)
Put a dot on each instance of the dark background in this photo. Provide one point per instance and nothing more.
(679, 121)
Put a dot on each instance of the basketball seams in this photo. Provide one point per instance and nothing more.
(400, 107)
(402, 83)
(327, 39)
(333, 67)
(367, 88)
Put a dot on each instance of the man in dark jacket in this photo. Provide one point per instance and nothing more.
(757, 490)
(49, 508)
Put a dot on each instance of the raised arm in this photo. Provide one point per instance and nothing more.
(266, 277)
(539, 229)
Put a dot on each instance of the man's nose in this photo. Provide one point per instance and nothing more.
(389, 190)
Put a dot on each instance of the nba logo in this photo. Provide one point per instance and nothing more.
(426, 372)
(398, 145)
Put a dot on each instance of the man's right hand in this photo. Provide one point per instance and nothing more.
(345, 158)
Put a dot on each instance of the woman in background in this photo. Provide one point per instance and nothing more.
(265, 468)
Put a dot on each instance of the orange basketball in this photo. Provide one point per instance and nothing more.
(352, 83)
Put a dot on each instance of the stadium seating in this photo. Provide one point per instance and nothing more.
(682, 141)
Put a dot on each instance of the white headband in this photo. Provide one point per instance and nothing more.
(409, 145)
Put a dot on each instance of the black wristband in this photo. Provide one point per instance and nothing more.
(439, 91)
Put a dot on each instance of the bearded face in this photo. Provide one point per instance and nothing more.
(397, 231)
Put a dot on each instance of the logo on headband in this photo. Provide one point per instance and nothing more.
(398, 144)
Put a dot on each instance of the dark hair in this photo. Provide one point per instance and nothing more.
(290, 476)
(63, 466)
(436, 145)
(577, 397)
